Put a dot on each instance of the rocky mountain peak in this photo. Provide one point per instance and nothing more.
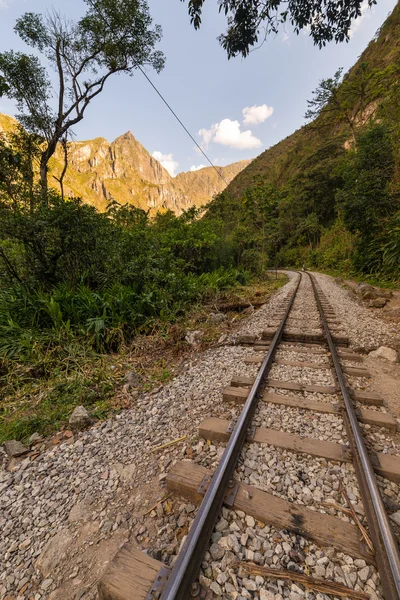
(123, 170)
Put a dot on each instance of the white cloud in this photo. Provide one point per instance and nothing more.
(167, 161)
(357, 22)
(4, 4)
(228, 133)
(208, 135)
(285, 38)
(194, 168)
(256, 114)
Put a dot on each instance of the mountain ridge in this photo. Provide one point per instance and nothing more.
(282, 160)
(123, 170)
(328, 195)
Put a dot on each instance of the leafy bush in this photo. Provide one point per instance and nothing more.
(100, 277)
(384, 251)
(335, 249)
(77, 286)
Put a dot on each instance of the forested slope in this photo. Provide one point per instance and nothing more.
(329, 193)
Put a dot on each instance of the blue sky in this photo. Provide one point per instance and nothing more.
(209, 93)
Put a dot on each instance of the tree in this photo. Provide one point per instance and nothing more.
(248, 20)
(19, 152)
(368, 199)
(325, 93)
(334, 101)
(114, 36)
(260, 207)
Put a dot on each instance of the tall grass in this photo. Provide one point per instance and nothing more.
(104, 319)
(57, 347)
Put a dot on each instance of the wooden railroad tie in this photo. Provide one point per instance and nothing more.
(294, 346)
(294, 336)
(286, 385)
(289, 347)
(361, 396)
(294, 323)
(370, 417)
(355, 371)
(129, 576)
(305, 341)
(185, 479)
(216, 430)
(264, 345)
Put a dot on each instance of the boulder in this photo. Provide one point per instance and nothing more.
(193, 337)
(125, 471)
(369, 292)
(385, 353)
(217, 317)
(386, 294)
(377, 303)
(80, 418)
(365, 291)
(35, 438)
(54, 552)
(266, 595)
(15, 448)
(133, 379)
(395, 518)
(81, 511)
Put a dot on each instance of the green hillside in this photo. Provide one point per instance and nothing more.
(282, 161)
(329, 193)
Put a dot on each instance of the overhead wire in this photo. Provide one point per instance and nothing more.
(180, 122)
(91, 2)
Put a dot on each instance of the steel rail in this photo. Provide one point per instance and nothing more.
(189, 560)
(386, 549)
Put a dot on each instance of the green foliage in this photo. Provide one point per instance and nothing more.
(336, 179)
(101, 277)
(77, 286)
(391, 248)
(337, 212)
(383, 251)
(114, 36)
(366, 196)
(28, 83)
(38, 396)
(323, 95)
(347, 102)
(368, 199)
(248, 19)
(335, 249)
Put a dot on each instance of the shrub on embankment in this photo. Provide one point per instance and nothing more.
(77, 286)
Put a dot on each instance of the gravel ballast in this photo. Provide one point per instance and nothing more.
(96, 490)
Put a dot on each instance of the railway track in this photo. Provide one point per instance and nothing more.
(273, 487)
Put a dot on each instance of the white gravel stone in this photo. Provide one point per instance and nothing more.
(365, 331)
(385, 353)
(107, 465)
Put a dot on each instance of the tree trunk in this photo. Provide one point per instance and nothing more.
(31, 177)
(9, 267)
(352, 129)
(64, 144)
(44, 161)
(43, 176)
